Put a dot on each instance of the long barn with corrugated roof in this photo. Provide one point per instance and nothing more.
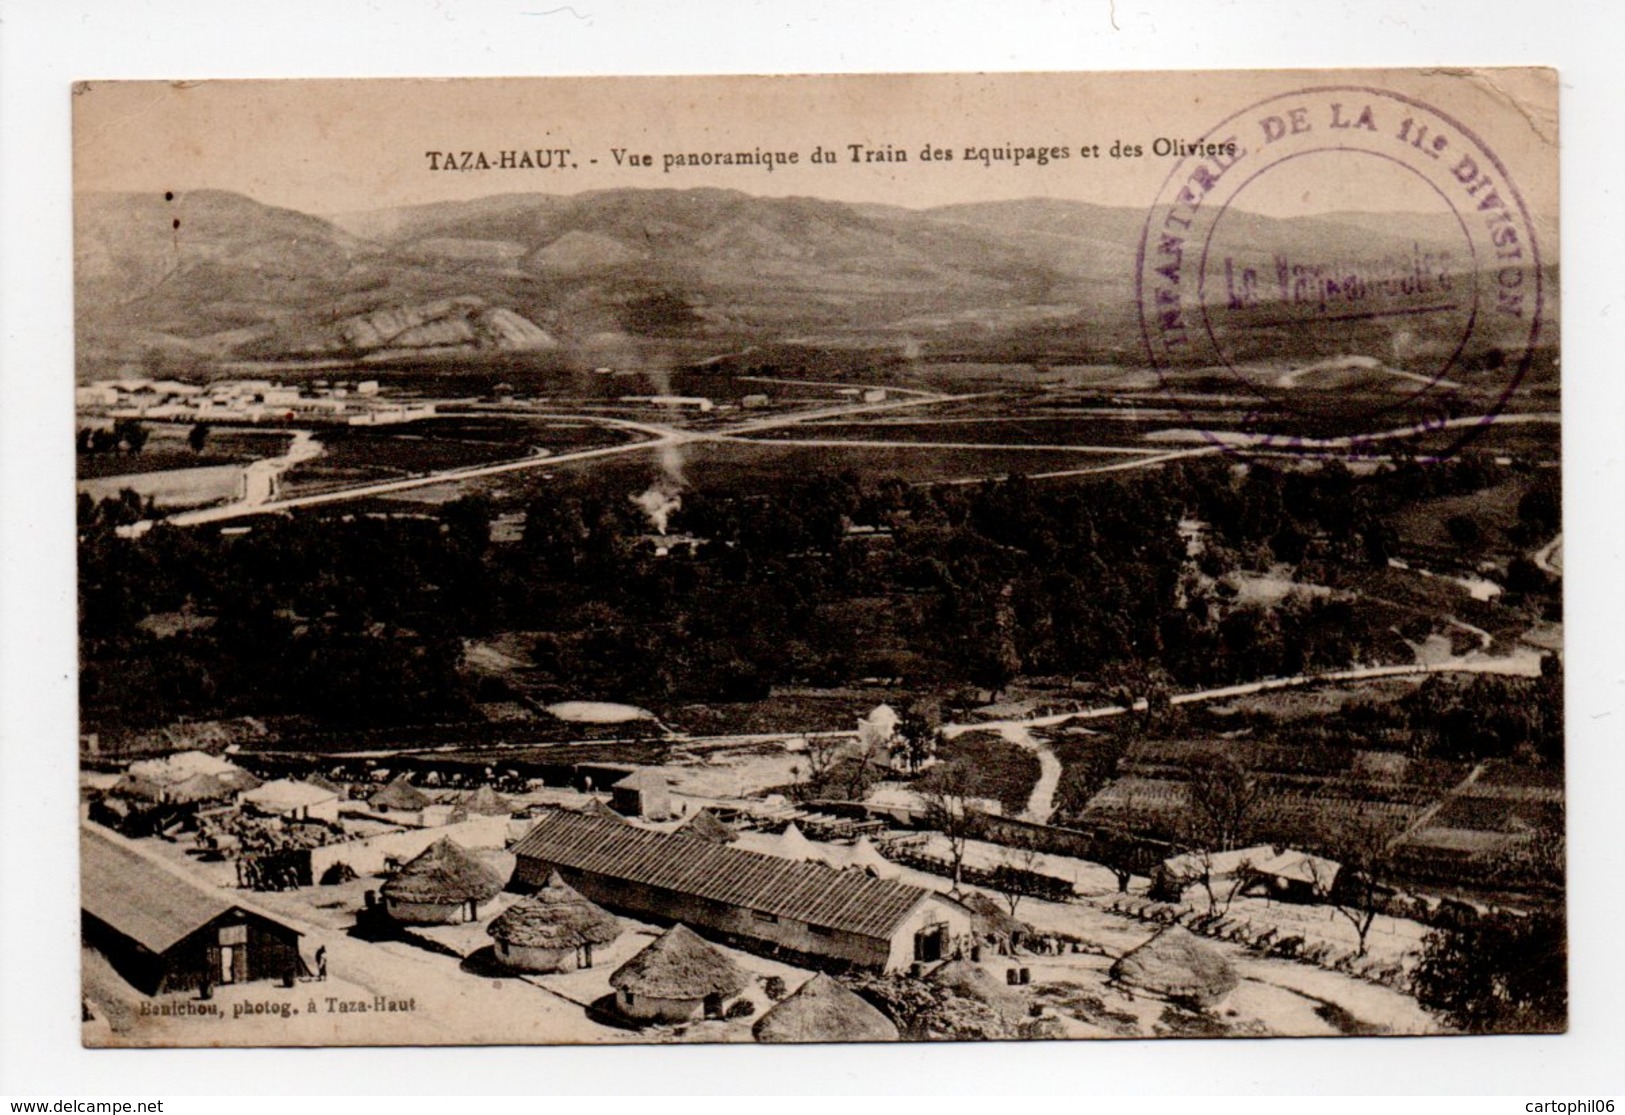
(164, 933)
(811, 910)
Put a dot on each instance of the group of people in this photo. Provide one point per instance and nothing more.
(268, 872)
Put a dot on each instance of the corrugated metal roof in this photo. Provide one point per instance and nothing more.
(152, 906)
(850, 901)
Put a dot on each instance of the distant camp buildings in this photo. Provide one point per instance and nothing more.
(245, 400)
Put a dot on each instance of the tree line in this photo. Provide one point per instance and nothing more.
(362, 618)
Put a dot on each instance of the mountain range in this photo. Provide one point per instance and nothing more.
(209, 275)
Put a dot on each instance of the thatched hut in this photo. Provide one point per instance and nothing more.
(553, 930)
(483, 802)
(677, 978)
(823, 1010)
(138, 788)
(444, 884)
(206, 788)
(294, 800)
(705, 825)
(1175, 965)
(400, 796)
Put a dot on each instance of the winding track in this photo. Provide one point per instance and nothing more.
(1524, 662)
(656, 435)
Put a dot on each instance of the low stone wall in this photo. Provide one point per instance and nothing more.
(1045, 838)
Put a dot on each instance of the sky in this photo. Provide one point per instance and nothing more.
(331, 147)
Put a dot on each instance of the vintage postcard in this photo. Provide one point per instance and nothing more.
(820, 559)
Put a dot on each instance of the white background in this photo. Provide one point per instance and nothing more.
(44, 46)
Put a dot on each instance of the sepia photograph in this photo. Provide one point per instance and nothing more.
(819, 559)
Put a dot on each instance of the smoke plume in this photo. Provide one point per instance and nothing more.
(662, 499)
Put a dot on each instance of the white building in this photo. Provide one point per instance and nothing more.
(299, 801)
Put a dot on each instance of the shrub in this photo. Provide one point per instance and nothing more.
(1504, 973)
(338, 872)
(739, 1008)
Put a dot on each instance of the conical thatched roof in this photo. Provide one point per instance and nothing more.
(679, 965)
(445, 872)
(823, 1010)
(596, 808)
(400, 794)
(705, 825)
(884, 718)
(556, 917)
(484, 802)
(1176, 965)
(325, 784)
(988, 916)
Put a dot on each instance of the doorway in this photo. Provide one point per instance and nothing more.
(231, 945)
(930, 943)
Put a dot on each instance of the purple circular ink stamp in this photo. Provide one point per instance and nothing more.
(1411, 308)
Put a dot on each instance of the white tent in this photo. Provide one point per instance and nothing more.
(883, 718)
(793, 845)
(877, 730)
(866, 856)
